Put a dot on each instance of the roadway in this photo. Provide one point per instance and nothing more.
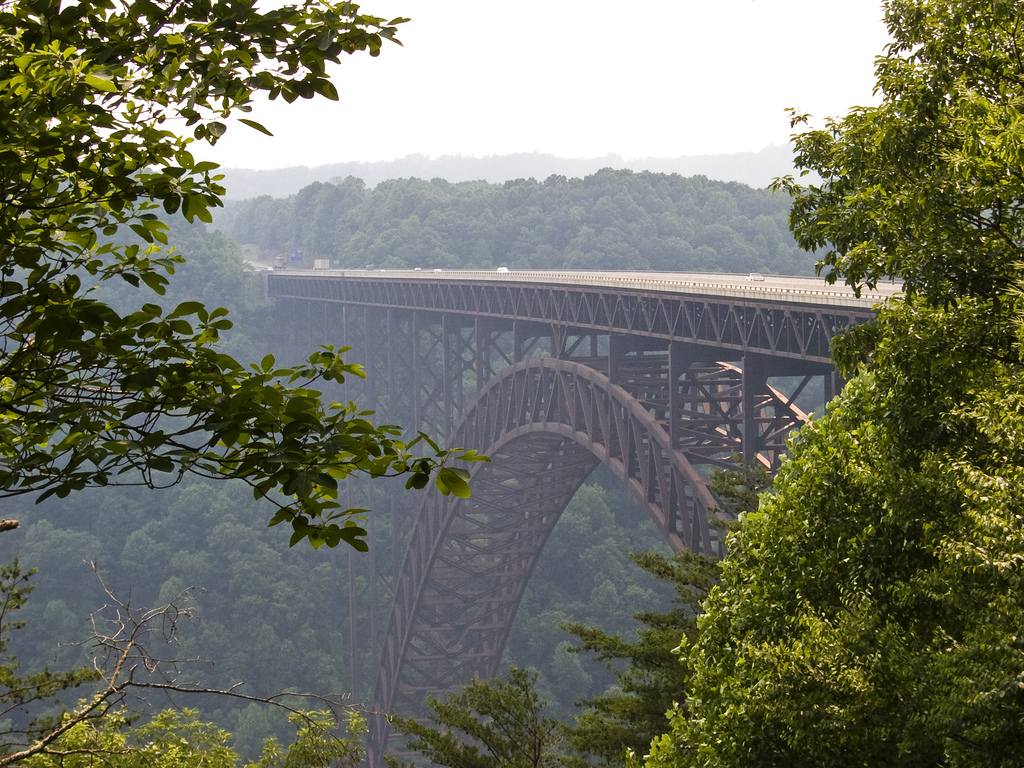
(801, 290)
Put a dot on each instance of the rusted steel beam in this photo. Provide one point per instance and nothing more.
(550, 380)
(797, 330)
(547, 423)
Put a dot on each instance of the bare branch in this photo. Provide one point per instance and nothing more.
(126, 658)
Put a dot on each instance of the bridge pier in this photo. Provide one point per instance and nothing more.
(754, 385)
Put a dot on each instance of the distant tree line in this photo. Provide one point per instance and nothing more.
(754, 168)
(613, 219)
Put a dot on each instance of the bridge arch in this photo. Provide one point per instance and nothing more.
(546, 423)
(430, 341)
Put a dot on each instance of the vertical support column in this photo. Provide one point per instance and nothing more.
(558, 342)
(397, 535)
(417, 384)
(374, 574)
(391, 325)
(400, 416)
(616, 351)
(447, 367)
(482, 356)
(833, 385)
(335, 618)
(753, 384)
(369, 355)
(353, 620)
(518, 334)
(457, 353)
(678, 365)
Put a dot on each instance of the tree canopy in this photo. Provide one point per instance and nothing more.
(95, 96)
(869, 612)
(499, 723)
(607, 220)
(630, 715)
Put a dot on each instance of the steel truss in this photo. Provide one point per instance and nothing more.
(547, 422)
(777, 328)
(550, 381)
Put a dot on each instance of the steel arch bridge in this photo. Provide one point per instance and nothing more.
(661, 378)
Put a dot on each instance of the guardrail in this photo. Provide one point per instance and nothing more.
(802, 290)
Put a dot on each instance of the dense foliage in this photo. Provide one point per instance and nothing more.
(277, 618)
(126, 650)
(92, 396)
(500, 723)
(870, 611)
(628, 716)
(173, 739)
(608, 220)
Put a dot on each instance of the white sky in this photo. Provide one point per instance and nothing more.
(577, 78)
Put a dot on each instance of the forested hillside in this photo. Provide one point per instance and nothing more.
(754, 168)
(277, 618)
(613, 219)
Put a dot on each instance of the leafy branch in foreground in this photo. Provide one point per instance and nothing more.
(173, 739)
(97, 97)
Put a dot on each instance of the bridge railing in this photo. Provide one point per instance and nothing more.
(803, 290)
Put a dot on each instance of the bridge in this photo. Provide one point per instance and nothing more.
(662, 377)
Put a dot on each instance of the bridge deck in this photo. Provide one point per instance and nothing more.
(796, 290)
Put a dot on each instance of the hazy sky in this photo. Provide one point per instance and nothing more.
(578, 78)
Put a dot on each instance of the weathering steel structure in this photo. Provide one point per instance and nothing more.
(661, 377)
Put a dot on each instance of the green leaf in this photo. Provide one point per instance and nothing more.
(453, 481)
(186, 308)
(101, 83)
(418, 481)
(90, 155)
(255, 125)
(161, 464)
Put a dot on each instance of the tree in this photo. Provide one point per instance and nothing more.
(626, 719)
(315, 745)
(869, 611)
(95, 95)
(739, 489)
(495, 724)
(173, 739)
(618, 217)
(630, 717)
